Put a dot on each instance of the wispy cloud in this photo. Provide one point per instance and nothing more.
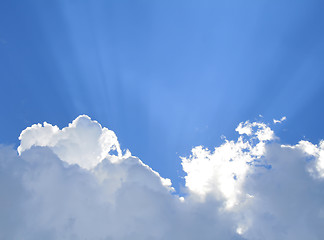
(279, 121)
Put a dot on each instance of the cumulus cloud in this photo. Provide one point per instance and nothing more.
(83, 142)
(223, 171)
(76, 183)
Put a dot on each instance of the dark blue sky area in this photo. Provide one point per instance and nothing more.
(164, 75)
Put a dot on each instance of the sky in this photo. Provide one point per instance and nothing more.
(164, 95)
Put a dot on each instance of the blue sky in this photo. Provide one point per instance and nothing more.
(165, 76)
(170, 79)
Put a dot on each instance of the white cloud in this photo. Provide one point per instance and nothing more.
(83, 142)
(316, 167)
(279, 121)
(67, 184)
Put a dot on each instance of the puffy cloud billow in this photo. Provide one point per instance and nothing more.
(76, 183)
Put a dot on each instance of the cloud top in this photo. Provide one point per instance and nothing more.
(83, 142)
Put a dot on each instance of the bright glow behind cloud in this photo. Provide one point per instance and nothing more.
(66, 185)
(223, 171)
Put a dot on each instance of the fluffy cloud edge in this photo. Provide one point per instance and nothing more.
(244, 187)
